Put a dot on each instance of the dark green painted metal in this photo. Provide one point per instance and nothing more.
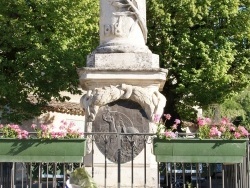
(200, 151)
(37, 150)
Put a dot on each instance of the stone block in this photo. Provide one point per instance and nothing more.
(123, 60)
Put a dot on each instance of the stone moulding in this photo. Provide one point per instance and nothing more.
(91, 78)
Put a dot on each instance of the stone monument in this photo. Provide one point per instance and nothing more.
(122, 80)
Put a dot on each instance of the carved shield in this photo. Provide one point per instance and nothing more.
(127, 118)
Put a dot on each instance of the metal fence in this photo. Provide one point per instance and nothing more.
(169, 175)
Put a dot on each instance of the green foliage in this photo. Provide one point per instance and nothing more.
(235, 108)
(204, 45)
(81, 178)
(41, 45)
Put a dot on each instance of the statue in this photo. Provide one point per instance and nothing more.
(123, 26)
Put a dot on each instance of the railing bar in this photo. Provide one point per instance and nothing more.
(236, 176)
(105, 163)
(40, 176)
(122, 134)
(92, 157)
(1, 175)
(64, 174)
(132, 163)
(54, 174)
(47, 178)
(247, 165)
(183, 174)
(167, 180)
(145, 162)
(13, 175)
(22, 175)
(197, 175)
(158, 175)
(209, 175)
(170, 177)
(223, 176)
(174, 173)
(241, 174)
(119, 155)
(30, 174)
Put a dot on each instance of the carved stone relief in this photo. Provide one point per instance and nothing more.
(151, 100)
(122, 116)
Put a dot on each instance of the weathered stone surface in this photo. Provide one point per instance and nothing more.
(122, 26)
(123, 60)
(123, 116)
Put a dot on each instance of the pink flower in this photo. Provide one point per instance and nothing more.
(243, 131)
(1, 126)
(157, 118)
(208, 120)
(24, 134)
(214, 132)
(174, 126)
(44, 127)
(237, 135)
(222, 129)
(232, 128)
(224, 121)
(19, 136)
(167, 116)
(201, 121)
(170, 134)
(177, 121)
(33, 126)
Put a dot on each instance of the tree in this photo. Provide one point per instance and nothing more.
(236, 108)
(41, 45)
(205, 47)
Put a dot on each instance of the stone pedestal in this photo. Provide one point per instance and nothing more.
(119, 72)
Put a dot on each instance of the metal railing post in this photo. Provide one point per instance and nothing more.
(145, 163)
(119, 156)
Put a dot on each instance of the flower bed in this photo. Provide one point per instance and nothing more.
(220, 142)
(42, 150)
(200, 151)
(64, 143)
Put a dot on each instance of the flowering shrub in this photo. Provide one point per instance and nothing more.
(206, 129)
(224, 129)
(64, 130)
(13, 131)
(161, 131)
